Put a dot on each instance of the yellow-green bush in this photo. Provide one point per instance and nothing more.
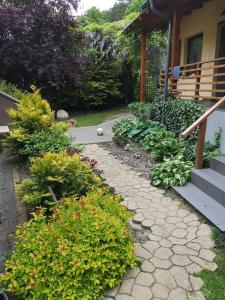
(32, 114)
(82, 251)
(67, 175)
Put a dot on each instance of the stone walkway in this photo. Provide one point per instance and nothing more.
(171, 242)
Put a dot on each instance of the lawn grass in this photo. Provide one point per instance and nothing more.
(98, 117)
(214, 282)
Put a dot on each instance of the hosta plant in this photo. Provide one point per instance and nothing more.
(142, 129)
(121, 130)
(77, 254)
(156, 136)
(67, 175)
(171, 173)
(168, 148)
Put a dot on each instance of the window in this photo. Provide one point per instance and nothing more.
(195, 49)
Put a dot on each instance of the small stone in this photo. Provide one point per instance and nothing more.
(160, 291)
(138, 218)
(179, 233)
(183, 250)
(141, 252)
(177, 241)
(191, 217)
(195, 296)
(165, 243)
(194, 246)
(204, 263)
(161, 263)
(164, 277)
(147, 267)
(204, 230)
(181, 260)
(181, 225)
(205, 241)
(153, 237)
(160, 231)
(148, 223)
(126, 286)
(181, 277)
(178, 294)
(62, 115)
(182, 213)
(163, 253)
(145, 279)
(151, 246)
(193, 268)
(196, 283)
(141, 292)
(207, 254)
(131, 206)
(100, 132)
(173, 220)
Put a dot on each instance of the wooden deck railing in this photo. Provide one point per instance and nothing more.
(200, 80)
(201, 123)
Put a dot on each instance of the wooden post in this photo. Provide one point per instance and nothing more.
(198, 80)
(143, 66)
(200, 145)
(175, 54)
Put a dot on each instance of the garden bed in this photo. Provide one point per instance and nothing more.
(133, 155)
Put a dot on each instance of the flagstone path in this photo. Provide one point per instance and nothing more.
(171, 242)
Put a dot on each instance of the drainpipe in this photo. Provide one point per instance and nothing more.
(162, 16)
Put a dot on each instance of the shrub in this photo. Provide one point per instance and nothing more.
(121, 130)
(78, 254)
(142, 129)
(32, 114)
(54, 140)
(140, 110)
(67, 175)
(11, 90)
(168, 148)
(178, 114)
(171, 173)
(108, 202)
(156, 136)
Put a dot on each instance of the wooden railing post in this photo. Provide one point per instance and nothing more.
(198, 80)
(200, 145)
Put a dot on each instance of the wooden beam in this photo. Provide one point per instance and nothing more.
(143, 65)
(175, 56)
(175, 51)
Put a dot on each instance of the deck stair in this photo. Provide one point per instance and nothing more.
(206, 191)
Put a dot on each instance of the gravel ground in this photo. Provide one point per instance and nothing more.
(132, 155)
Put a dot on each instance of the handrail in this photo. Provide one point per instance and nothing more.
(201, 123)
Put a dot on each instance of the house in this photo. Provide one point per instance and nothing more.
(6, 102)
(198, 45)
(195, 69)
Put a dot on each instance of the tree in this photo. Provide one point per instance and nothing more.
(40, 43)
(93, 15)
(118, 10)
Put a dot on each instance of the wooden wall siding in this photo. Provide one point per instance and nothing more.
(201, 80)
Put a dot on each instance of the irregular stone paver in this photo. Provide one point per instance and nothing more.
(178, 244)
